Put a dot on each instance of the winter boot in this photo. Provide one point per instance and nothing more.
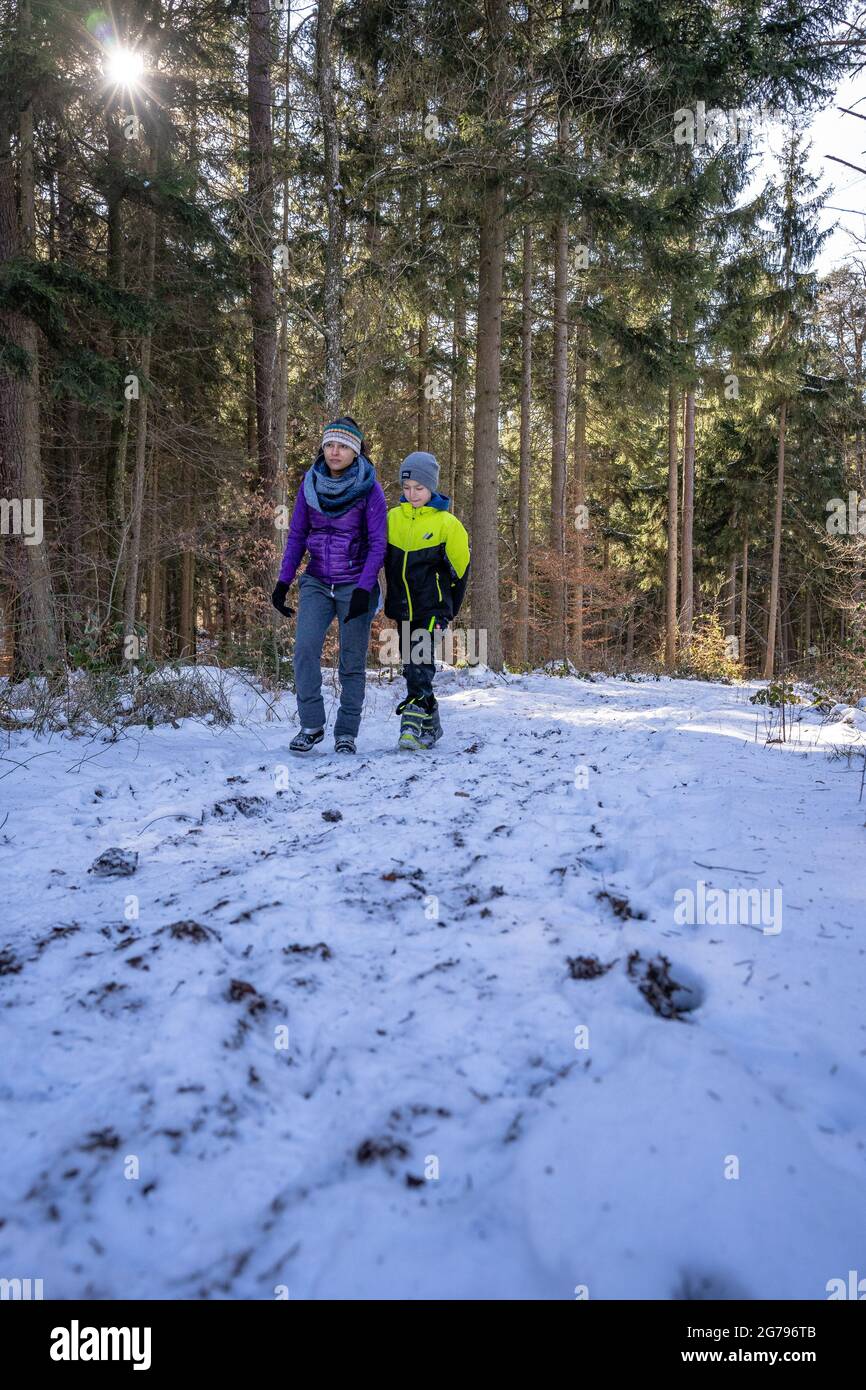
(305, 739)
(419, 723)
(344, 743)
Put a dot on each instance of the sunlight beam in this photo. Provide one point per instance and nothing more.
(124, 67)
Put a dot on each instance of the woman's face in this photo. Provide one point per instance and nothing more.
(338, 456)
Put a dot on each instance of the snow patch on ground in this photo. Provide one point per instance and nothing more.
(413, 926)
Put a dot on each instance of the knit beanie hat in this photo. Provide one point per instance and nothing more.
(420, 468)
(345, 430)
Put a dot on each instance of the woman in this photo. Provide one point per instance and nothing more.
(340, 518)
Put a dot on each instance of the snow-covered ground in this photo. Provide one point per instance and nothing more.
(341, 1051)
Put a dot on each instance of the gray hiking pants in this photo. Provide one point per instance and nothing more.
(319, 604)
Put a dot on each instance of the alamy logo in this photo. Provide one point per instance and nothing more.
(695, 125)
(855, 1287)
(846, 521)
(22, 516)
(460, 647)
(720, 907)
(76, 1343)
(21, 1288)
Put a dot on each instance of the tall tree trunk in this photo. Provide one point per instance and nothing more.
(77, 580)
(491, 261)
(118, 436)
(263, 307)
(281, 416)
(580, 483)
(332, 307)
(172, 605)
(25, 566)
(744, 601)
(769, 660)
(559, 429)
(250, 403)
(788, 646)
(559, 422)
(281, 385)
(673, 519)
(525, 464)
(156, 573)
(485, 473)
(68, 249)
(187, 616)
(458, 399)
(525, 451)
(225, 601)
(207, 606)
(807, 625)
(133, 561)
(605, 566)
(423, 430)
(422, 433)
(731, 617)
(687, 598)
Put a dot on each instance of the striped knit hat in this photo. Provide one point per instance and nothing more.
(344, 431)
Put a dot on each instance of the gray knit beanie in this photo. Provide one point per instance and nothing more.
(420, 468)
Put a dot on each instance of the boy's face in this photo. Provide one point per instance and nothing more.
(416, 493)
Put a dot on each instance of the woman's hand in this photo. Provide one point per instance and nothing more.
(358, 604)
(278, 599)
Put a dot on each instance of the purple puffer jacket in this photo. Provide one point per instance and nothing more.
(347, 549)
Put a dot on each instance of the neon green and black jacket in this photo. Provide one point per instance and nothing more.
(426, 563)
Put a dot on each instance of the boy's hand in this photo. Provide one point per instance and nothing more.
(278, 599)
(358, 604)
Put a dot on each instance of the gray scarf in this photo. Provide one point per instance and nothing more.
(334, 496)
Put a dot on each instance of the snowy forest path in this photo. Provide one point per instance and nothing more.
(390, 1007)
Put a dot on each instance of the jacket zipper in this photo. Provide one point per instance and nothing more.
(405, 558)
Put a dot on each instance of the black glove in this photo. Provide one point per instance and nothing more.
(358, 604)
(278, 599)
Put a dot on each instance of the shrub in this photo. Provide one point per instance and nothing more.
(705, 657)
(777, 693)
(77, 700)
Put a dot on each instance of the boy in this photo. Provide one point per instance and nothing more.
(426, 568)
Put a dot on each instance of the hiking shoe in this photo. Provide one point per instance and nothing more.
(305, 739)
(419, 723)
(344, 743)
